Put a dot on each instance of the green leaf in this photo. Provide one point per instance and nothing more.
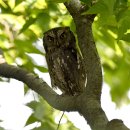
(120, 3)
(32, 119)
(26, 89)
(5, 7)
(126, 37)
(1, 128)
(88, 2)
(42, 69)
(110, 5)
(26, 45)
(39, 112)
(57, 1)
(43, 17)
(118, 78)
(2, 4)
(99, 7)
(29, 22)
(102, 7)
(124, 25)
(32, 105)
(104, 37)
(18, 2)
(46, 126)
(38, 109)
(121, 9)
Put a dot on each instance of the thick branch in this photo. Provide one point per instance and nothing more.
(89, 102)
(64, 103)
(91, 109)
(86, 43)
(89, 105)
(116, 124)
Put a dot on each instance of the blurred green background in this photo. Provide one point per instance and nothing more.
(23, 22)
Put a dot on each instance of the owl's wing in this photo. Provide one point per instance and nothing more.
(55, 71)
(71, 71)
(66, 71)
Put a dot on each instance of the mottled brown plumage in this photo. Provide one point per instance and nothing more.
(64, 63)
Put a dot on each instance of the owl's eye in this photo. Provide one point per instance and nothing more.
(50, 39)
(63, 35)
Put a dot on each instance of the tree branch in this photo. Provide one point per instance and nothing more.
(87, 45)
(64, 103)
(89, 104)
(116, 124)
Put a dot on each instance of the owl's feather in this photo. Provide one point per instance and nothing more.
(64, 63)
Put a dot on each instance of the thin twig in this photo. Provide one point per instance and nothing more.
(60, 120)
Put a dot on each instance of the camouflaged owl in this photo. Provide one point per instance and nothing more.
(64, 62)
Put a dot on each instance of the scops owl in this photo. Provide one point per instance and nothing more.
(64, 62)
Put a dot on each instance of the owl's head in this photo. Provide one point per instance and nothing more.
(60, 37)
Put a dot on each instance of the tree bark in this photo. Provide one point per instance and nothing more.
(89, 106)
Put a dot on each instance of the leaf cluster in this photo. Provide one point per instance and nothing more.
(111, 30)
(44, 116)
(111, 33)
(22, 23)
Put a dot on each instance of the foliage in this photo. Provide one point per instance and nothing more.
(22, 23)
(44, 115)
(111, 32)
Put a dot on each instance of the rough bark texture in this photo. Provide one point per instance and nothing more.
(93, 113)
(88, 103)
(116, 124)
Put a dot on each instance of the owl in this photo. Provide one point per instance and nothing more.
(64, 62)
